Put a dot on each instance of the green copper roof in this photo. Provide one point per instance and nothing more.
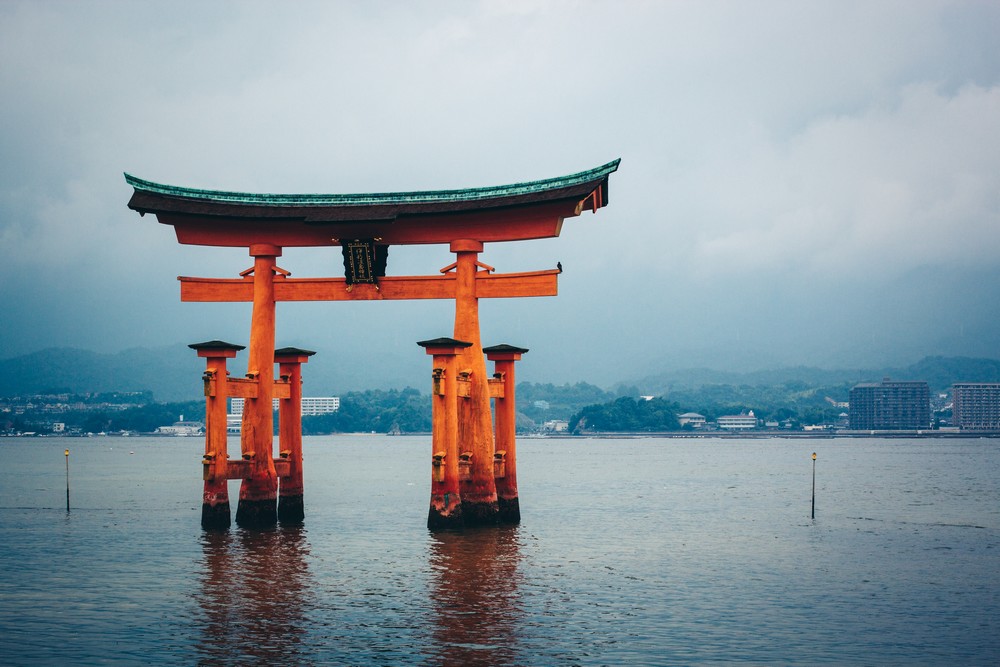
(370, 199)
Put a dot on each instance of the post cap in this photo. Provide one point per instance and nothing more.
(443, 345)
(504, 352)
(216, 345)
(217, 348)
(504, 347)
(293, 352)
(443, 342)
(294, 355)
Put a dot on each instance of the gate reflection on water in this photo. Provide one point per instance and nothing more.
(256, 597)
(255, 590)
(475, 588)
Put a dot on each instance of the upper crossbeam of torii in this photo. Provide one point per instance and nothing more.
(365, 226)
(514, 212)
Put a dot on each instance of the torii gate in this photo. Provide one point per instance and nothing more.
(466, 460)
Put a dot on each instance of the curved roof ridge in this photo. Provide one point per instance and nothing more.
(418, 196)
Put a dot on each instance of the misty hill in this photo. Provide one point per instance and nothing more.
(174, 374)
(939, 373)
(171, 373)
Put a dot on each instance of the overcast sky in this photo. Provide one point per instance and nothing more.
(801, 182)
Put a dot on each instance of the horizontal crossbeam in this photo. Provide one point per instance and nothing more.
(243, 469)
(488, 286)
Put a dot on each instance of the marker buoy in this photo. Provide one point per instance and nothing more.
(813, 514)
(67, 480)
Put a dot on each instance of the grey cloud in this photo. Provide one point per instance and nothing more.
(785, 166)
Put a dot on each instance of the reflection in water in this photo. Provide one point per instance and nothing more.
(254, 596)
(474, 589)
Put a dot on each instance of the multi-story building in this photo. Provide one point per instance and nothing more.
(319, 405)
(889, 405)
(696, 420)
(182, 428)
(311, 406)
(555, 426)
(976, 406)
(737, 422)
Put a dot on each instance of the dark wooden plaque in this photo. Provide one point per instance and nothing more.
(364, 261)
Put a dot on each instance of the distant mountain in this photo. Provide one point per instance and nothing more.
(942, 372)
(171, 373)
(939, 373)
(174, 373)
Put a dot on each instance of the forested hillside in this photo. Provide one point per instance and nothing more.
(800, 395)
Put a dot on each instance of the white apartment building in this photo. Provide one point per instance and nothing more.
(737, 422)
(311, 406)
(555, 426)
(182, 428)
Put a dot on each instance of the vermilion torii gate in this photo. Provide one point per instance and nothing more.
(468, 456)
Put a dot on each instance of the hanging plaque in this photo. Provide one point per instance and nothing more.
(364, 261)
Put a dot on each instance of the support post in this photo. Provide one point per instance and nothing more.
(259, 491)
(291, 508)
(475, 428)
(505, 457)
(446, 500)
(215, 512)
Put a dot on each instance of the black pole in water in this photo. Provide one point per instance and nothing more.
(814, 487)
(67, 480)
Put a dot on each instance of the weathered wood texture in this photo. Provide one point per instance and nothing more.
(446, 502)
(475, 426)
(506, 437)
(290, 486)
(259, 492)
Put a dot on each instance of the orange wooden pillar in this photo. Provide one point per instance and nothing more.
(290, 505)
(215, 500)
(475, 428)
(505, 457)
(446, 501)
(259, 490)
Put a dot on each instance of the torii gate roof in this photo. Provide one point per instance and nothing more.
(519, 211)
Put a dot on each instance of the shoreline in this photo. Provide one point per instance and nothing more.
(786, 435)
(742, 435)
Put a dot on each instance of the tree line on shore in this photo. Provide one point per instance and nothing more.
(795, 397)
(582, 405)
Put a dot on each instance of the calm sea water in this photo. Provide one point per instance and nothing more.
(630, 551)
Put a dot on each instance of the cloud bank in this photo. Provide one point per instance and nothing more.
(801, 183)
